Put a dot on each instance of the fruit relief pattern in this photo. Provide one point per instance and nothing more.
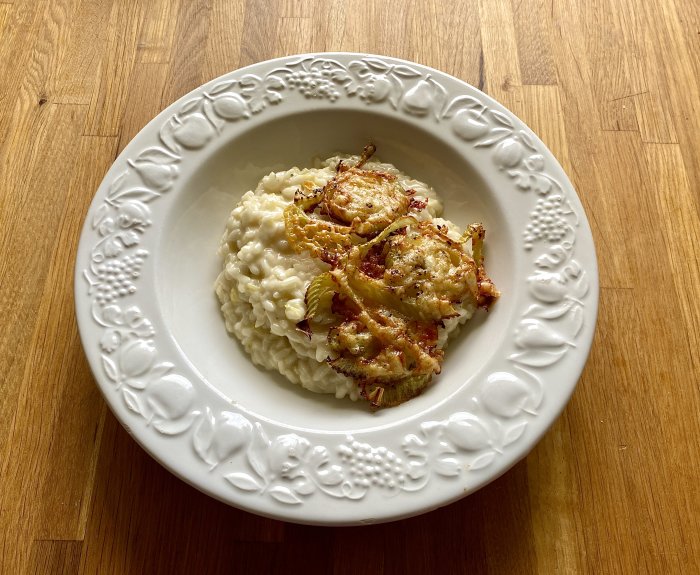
(288, 468)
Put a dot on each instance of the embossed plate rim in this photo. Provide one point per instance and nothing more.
(379, 475)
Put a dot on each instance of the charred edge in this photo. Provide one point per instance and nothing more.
(305, 327)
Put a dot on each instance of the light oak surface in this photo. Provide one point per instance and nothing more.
(611, 86)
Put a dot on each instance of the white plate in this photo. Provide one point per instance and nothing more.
(189, 395)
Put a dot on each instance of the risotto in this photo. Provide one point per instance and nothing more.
(263, 285)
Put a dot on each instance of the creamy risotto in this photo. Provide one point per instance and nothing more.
(263, 283)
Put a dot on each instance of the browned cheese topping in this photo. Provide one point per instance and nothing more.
(393, 280)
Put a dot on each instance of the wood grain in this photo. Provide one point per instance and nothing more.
(611, 86)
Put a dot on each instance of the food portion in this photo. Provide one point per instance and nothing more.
(345, 280)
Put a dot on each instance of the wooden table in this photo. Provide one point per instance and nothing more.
(612, 87)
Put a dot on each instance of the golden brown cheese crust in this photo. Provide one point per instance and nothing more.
(325, 240)
(366, 199)
(426, 267)
(393, 280)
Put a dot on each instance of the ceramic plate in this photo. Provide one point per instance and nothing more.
(156, 342)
